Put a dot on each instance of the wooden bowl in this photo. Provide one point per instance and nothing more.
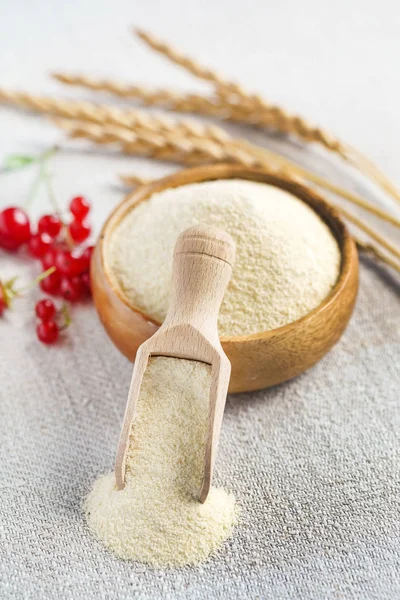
(261, 359)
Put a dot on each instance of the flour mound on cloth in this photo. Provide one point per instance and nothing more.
(287, 260)
(156, 519)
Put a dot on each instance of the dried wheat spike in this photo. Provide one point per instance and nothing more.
(135, 180)
(186, 103)
(273, 119)
(126, 126)
(233, 103)
(173, 131)
(189, 64)
(196, 151)
(139, 120)
(151, 144)
(273, 116)
(100, 113)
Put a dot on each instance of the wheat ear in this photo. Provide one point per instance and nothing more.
(189, 152)
(270, 115)
(140, 120)
(100, 113)
(274, 115)
(134, 180)
(213, 106)
(163, 98)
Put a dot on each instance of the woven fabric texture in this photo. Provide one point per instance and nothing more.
(314, 464)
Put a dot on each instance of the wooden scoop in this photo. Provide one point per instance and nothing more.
(202, 267)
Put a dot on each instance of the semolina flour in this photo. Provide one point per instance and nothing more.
(287, 260)
(156, 519)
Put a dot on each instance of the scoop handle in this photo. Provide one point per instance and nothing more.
(202, 267)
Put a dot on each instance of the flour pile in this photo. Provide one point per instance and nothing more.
(156, 519)
(287, 260)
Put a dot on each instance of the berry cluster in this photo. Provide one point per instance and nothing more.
(71, 278)
(58, 247)
(48, 328)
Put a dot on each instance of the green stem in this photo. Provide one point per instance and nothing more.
(50, 191)
(49, 153)
(35, 187)
(64, 312)
(34, 283)
(43, 175)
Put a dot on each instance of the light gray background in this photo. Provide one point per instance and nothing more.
(314, 463)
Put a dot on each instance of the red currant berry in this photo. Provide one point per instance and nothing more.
(49, 258)
(15, 228)
(71, 289)
(86, 257)
(47, 332)
(79, 207)
(69, 263)
(51, 283)
(50, 224)
(85, 278)
(39, 244)
(45, 309)
(79, 231)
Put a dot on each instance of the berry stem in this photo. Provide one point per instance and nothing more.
(65, 314)
(50, 189)
(8, 292)
(34, 283)
(43, 176)
(34, 189)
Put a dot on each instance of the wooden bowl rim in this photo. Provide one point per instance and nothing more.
(328, 214)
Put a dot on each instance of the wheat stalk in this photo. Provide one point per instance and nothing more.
(163, 98)
(296, 169)
(142, 122)
(371, 232)
(212, 106)
(282, 120)
(98, 113)
(151, 144)
(222, 108)
(134, 180)
(232, 103)
(224, 87)
(270, 115)
(369, 248)
(193, 152)
(366, 166)
(180, 141)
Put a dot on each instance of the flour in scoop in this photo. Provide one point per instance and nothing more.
(287, 260)
(156, 518)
